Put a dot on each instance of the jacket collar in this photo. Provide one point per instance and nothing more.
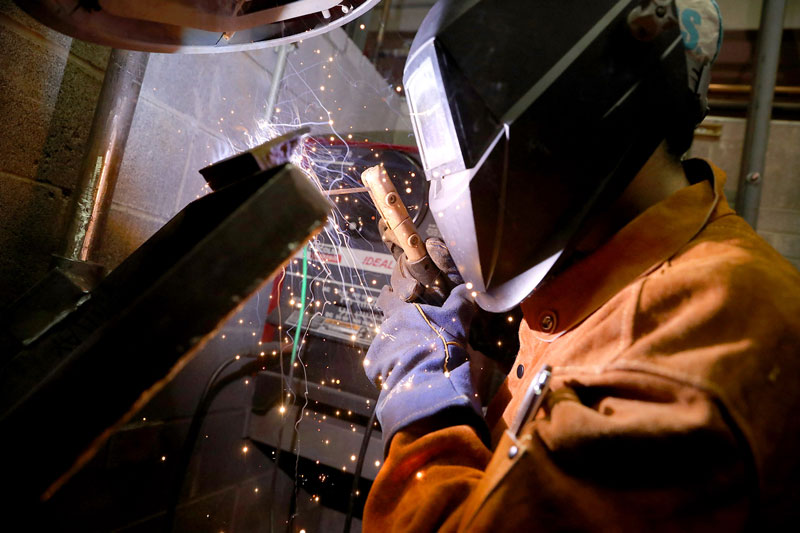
(637, 249)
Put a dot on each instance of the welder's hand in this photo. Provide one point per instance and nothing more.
(405, 286)
(419, 361)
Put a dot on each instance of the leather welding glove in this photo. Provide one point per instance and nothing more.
(419, 361)
(492, 334)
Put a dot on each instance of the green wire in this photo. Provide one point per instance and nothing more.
(302, 308)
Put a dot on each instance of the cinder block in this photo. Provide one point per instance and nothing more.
(70, 123)
(779, 220)
(30, 79)
(125, 231)
(10, 9)
(94, 54)
(179, 81)
(25, 130)
(781, 186)
(31, 221)
(205, 150)
(788, 244)
(48, 104)
(155, 161)
(368, 102)
(238, 90)
(725, 151)
(266, 57)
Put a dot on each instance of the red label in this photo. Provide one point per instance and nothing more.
(379, 262)
(329, 258)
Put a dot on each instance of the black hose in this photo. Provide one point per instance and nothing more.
(195, 426)
(362, 455)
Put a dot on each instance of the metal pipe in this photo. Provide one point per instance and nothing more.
(725, 88)
(277, 76)
(751, 175)
(105, 147)
(387, 7)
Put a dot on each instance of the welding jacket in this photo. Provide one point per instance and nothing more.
(675, 351)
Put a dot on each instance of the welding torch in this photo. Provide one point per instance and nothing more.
(400, 234)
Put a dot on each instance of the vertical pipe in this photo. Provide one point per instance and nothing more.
(751, 176)
(277, 76)
(104, 150)
(387, 6)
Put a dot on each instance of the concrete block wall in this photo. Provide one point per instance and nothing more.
(779, 212)
(49, 85)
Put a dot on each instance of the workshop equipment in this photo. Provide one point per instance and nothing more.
(349, 258)
(65, 393)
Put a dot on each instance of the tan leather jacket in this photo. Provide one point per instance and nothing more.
(675, 351)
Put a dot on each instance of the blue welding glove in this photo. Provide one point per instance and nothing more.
(419, 361)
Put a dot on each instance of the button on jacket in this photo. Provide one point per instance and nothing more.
(675, 355)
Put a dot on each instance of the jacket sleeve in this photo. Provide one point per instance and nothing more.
(620, 451)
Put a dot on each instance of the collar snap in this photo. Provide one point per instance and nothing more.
(548, 321)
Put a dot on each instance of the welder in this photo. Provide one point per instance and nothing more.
(657, 381)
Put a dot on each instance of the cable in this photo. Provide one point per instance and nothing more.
(362, 455)
(290, 387)
(195, 426)
(302, 308)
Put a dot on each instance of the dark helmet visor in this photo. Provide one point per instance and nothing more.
(515, 177)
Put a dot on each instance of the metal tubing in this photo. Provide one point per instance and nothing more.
(104, 150)
(751, 176)
(387, 7)
(277, 76)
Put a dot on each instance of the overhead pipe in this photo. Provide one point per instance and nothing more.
(105, 147)
(768, 47)
(387, 7)
(277, 77)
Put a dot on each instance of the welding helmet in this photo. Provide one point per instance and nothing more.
(532, 116)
